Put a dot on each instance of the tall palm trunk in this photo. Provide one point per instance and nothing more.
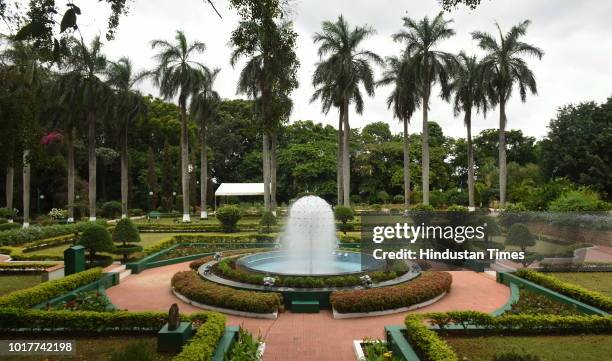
(340, 159)
(203, 170)
(273, 145)
(470, 156)
(124, 172)
(502, 152)
(425, 145)
(26, 188)
(91, 137)
(71, 172)
(266, 169)
(185, 162)
(406, 166)
(346, 162)
(10, 180)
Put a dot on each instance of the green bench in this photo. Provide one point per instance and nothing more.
(305, 306)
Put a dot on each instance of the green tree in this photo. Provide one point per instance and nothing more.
(268, 219)
(177, 73)
(344, 214)
(204, 106)
(430, 66)
(96, 238)
(501, 69)
(404, 99)
(338, 79)
(126, 232)
(82, 85)
(229, 217)
(129, 105)
(519, 235)
(469, 94)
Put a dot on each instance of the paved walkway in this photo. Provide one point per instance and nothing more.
(308, 337)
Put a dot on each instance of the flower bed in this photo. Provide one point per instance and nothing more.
(537, 304)
(42, 292)
(190, 285)
(423, 288)
(576, 292)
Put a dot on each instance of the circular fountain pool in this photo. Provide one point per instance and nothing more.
(284, 263)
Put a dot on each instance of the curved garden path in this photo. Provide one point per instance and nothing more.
(297, 337)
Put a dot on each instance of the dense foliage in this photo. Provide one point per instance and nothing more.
(229, 217)
(202, 346)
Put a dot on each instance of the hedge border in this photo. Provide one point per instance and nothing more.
(203, 345)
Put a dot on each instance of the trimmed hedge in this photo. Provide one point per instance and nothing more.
(12, 319)
(426, 342)
(203, 344)
(190, 285)
(581, 294)
(423, 288)
(217, 238)
(42, 292)
(16, 266)
(35, 233)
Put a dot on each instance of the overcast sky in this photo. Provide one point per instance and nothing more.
(575, 36)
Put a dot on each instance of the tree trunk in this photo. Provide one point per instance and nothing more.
(124, 172)
(425, 146)
(71, 173)
(406, 167)
(273, 144)
(10, 180)
(265, 154)
(203, 170)
(346, 162)
(185, 162)
(470, 156)
(26, 188)
(91, 137)
(340, 159)
(502, 153)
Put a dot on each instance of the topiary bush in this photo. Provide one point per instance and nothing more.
(519, 235)
(96, 238)
(126, 232)
(229, 217)
(398, 198)
(344, 214)
(111, 209)
(268, 219)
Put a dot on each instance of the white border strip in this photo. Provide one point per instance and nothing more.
(338, 315)
(271, 316)
(358, 350)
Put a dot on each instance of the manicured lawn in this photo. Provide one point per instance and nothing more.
(10, 283)
(541, 247)
(595, 281)
(92, 349)
(548, 348)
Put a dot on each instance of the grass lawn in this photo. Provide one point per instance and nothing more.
(92, 349)
(542, 247)
(548, 348)
(594, 281)
(10, 283)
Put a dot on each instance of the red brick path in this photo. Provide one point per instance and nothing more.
(308, 337)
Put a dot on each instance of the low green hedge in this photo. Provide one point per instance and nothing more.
(35, 233)
(581, 294)
(202, 346)
(48, 243)
(44, 291)
(426, 342)
(423, 288)
(211, 238)
(190, 285)
(16, 266)
(12, 319)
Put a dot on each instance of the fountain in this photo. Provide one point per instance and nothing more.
(309, 245)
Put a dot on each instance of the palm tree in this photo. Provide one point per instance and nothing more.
(468, 94)
(82, 85)
(501, 69)
(431, 66)
(404, 99)
(178, 74)
(204, 104)
(338, 78)
(129, 106)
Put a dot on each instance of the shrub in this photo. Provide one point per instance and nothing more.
(229, 217)
(45, 291)
(136, 212)
(88, 301)
(344, 214)
(426, 342)
(515, 356)
(246, 347)
(8, 213)
(268, 219)
(383, 196)
(35, 233)
(582, 200)
(423, 288)
(190, 285)
(581, 294)
(9, 226)
(112, 209)
(96, 238)
(58, 213)
(126, 232)
(203, 344)
(398, 198)
(519, 235)
(134, 351)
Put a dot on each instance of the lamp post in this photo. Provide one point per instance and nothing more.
(173, 200)
(39, 200)
(150, 201)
